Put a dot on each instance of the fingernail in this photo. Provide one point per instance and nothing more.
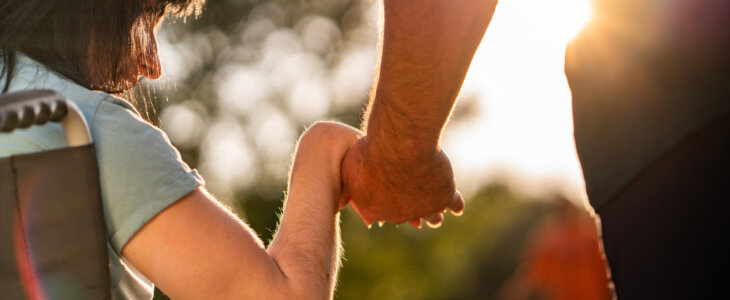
(433, 225)
(380, 223)
(457, 213)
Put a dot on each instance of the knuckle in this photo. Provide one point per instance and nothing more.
(320, 128)
(331, 133)
(319, 132)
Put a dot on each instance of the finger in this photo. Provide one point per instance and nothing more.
(366, 219)
(416, 223)
(343, 203)
(434, 220)
(344, 199)
(457, 204)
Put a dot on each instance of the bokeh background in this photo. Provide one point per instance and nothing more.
(243, 80)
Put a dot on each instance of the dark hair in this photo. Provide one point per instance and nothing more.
(86, 41)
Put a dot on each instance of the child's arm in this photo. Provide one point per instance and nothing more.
(197, 249)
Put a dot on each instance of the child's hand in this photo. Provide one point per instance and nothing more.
(318, 159)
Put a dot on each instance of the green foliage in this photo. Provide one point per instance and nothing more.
(467, 258)
(261, 213)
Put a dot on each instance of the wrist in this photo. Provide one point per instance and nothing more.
(314, 181)
(399, 134)
(384, 154)
(321, 192)
(408, 117)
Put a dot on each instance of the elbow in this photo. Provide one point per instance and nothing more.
(294, 290)
(304, 285)
(283, 280)
(278, 282)
(305, 293)
(280, 288)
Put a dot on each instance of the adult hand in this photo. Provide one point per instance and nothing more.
(390, 184)
(398, 172)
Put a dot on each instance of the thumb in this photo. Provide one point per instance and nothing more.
(344, 199)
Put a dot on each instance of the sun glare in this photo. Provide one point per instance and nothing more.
(525, 131)
(575, 14)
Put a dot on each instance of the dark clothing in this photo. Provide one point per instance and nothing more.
(638, 89)
(651, 102)
(665, 235)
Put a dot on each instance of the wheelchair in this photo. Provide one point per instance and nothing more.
(53, 240)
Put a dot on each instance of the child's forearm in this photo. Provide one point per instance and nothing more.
(306, 245)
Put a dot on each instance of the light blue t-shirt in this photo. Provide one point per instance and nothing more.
(141, 173)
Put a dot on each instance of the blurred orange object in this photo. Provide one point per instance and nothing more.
(563, 260)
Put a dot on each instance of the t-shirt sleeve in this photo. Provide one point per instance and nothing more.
(140, 172)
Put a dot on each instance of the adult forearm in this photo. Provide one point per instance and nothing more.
(427, 47)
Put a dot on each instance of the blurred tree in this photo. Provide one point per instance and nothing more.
(243, 81)
(240, 84)
(467, 258)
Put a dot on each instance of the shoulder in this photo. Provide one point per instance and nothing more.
(118, 128)
(140, 171)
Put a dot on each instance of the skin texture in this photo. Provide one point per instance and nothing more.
(397, 171)
(197, 249)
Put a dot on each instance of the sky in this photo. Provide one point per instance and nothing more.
(523, 133)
